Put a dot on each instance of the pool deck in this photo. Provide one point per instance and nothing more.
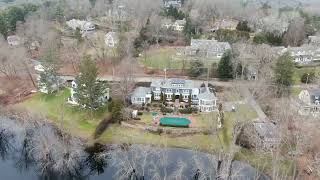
(193, 123)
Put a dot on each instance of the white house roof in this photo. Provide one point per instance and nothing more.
(172, 83)
(206, 94)
(141, 92)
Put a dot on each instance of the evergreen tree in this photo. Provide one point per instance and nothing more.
(225, 70)
(180, 98)
(78, 35)
(284, 70)
(3, 26)
(89, 92)
(196, 68)
(243, 26)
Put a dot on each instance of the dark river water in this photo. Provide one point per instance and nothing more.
(106, 163)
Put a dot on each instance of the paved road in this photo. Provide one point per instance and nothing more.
(215, 82)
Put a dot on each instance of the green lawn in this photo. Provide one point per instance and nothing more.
(160, 58)
(54, 107)
(165, 57)
(298, 72)
(263, 162)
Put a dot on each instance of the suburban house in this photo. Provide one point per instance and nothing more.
(141, 95)
(72, 99)
(259, 135)
(176, 90)
(13, 40)
(314, 40)
(172, 3)
(111, 39)
(309, 101)
(84, 26)
(229, 24)
(211, 49)
(178, 25)
(304, 55)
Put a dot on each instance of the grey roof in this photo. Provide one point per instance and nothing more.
(170, 83)
(266, 129)
(141, 92)
(206, 94)
(210, 45)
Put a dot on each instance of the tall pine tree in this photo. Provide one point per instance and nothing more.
(225, 70)
(89, 92)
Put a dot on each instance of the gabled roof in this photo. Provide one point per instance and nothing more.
(206, 94)
(141, 92)
(170, 83)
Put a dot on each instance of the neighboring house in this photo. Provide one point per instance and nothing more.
(259, 135)
(141, 96)
(56, 84)
(13, 40)
(229, 24)
(314, 40)
(176, 89)
(211, 49)
(178, 25)
(207, 100)
(84, 26)
(111, 39)
(309, 101)
(72, 99)
(172, 3)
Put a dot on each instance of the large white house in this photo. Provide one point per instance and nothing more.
(305, 54)
(176, 89)
(172, 3)
(177, 25)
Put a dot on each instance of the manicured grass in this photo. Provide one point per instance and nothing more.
(298, 72)
(160, 58)
(146, 117)
(295, 91)
(165, 57)
(54, 107)
(233, 95)
(263, 162)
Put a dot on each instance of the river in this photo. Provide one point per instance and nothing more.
(101, 162)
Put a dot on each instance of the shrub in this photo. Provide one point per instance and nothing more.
(189, 110)
(166, 110)
(307, 77)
